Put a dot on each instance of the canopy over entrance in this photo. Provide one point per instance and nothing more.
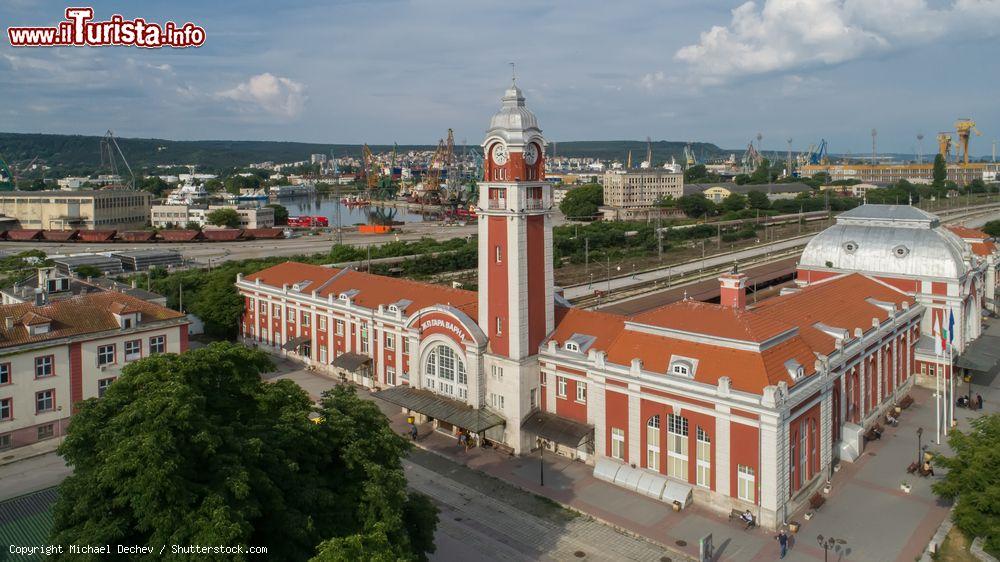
(295, 343)
(351, 362)
(559, 430)
(459, 414)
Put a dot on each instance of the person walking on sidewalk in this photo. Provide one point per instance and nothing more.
(463, 441)
(782, 542)
(413, 431)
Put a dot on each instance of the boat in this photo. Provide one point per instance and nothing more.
(354, 201)
(187, 194)
(293, 190)
(253, 197)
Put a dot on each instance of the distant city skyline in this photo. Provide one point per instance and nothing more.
(384, 71)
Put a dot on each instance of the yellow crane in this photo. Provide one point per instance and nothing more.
(965, 127)
(944, 145)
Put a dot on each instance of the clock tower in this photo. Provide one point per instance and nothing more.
(515, 233)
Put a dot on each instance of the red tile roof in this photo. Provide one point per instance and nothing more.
(969, 233)
(85, 314)
(373, 290)
(841, 302)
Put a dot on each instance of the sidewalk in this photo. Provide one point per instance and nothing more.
(29, 451)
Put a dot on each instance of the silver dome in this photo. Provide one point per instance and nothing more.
(514, 123)
(890, 239)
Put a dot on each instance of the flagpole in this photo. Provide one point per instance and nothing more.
(937, 404)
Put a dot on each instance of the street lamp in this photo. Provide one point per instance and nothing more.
(920, 435)
(828, 544)
(541, 462)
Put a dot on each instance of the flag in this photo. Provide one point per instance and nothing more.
(951, 326)
(938, 348)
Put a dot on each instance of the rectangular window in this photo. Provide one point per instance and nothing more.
(105, 355)
(581, 392)
(496, 400)
(263, 307)
(5, 442)
(390, 376)
(704, 459)
(46, 431)
(158, 344)
(497, 372)
(677, 446)
(544, 379)
(499, 325)
(364, 338)
(102, 386)
(276, 311)
(306, 319)
(45, 401)
(322, 323)
(533, 398)
(406, 345)
(6, 408)
(561, 387)
(390, 341)
(618, 443)
(133, 350)
(339, 328)
(5, 373)
(322, 355)
(44, 366)
(745, 483)
(499, 254)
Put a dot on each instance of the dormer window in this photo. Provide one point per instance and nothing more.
(572, 346)
(343, 296)
(681, 370)
(795, 369)
(682, 366)
(393, 308)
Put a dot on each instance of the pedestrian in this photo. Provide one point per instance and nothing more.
(463, 440)
(782, 542)
(468, 442)
(979, 401)
(413, 431)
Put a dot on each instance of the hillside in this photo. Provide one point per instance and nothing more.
(66, 153)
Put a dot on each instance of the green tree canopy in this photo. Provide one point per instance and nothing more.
(280, 214)
(940, 173)
(758, 200)
(992, 228)
(87, 270)
(237, 182)
(734, 202)
(197, 449)
(228, 218)
(973, 480)
(696, 205)
(154, 185)
(582, 203)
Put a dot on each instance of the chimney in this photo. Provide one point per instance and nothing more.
(39, 297)
(733, 289)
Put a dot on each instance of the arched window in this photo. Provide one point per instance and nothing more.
(677, 446)
(444, 371)
(704, 459)
(653, 443)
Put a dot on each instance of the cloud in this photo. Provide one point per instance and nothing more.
(791, 35)
(276, 95)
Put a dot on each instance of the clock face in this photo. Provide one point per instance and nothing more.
(531, 154)
(500, 154)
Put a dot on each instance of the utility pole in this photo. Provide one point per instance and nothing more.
(586, 254)
(789, 156)
(874, 151)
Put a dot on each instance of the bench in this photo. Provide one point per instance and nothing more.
(873, 433)
(816, 501)
(737, 514)
(906, 402)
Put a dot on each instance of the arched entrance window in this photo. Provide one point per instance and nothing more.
(444, 372)
(653, 443)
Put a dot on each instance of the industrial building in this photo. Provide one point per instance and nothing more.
(179, 216)
(883, 174)
(56, 286)
(717, 192)
(731, 405)
(108, 265)
(105, 209)
(143, 260)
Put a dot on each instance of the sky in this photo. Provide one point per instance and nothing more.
(380, 71)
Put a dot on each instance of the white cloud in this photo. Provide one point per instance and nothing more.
(789, 35)
(274, 94)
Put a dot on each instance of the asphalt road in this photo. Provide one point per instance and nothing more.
(30, 475)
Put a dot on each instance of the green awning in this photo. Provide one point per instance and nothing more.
(351, 361)
(558, 429)
(982, 355)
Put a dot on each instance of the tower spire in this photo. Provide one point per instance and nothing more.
(513, 73)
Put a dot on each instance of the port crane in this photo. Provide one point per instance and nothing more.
(7, 180)
(964, 128)
(944, 144)
(109, 148)
(689, 160)
(751, 159)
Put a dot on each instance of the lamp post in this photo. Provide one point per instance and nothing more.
(828, 544)
(541, 462)
(920, 435)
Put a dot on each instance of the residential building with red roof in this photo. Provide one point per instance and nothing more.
(53, 354)
(730, 405)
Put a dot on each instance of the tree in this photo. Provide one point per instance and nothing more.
(213, 185)
(992, 228)
(191, 225)
(758, 200)
(696, 205)
(940, 171)
(695, 172)
(154, 185)
(197, 449)
(741, 179)
(583, 203)
(87, 271)
(280, 214)
(973, 479)
(763, 172)
(976, 186)
(734, 202)
(237, 182)
(228, 218)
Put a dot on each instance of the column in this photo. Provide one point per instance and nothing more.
(721, 466)
(863, 389)
(595, 401)
(826, 429)
(772, 474)
(634, 426)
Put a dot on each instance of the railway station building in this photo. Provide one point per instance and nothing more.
(731, 405)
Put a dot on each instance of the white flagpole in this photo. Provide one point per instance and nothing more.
(951, 379)
(937, 403)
